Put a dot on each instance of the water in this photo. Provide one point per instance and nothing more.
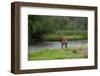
(55, 45)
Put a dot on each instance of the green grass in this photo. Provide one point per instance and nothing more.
(69, 35)
(55, 37)
(49, 54)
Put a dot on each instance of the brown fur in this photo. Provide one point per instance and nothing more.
(63, 42)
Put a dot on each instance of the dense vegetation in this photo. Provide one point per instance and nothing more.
(51, 28)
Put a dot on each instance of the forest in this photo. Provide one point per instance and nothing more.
(52, 28)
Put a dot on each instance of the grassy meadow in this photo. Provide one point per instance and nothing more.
(66, 53)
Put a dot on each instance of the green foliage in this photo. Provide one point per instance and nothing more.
(39, 26)
(48, 54)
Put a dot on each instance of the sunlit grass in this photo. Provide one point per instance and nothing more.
(56, 37)
(49, 54)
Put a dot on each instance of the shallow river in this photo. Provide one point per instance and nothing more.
(55, 45)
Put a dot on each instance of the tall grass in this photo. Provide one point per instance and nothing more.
(55, 37)
(69, 35)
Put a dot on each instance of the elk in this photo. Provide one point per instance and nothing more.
(64, 42)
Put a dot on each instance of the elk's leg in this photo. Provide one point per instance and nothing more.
(62, 45)
(65, 45)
